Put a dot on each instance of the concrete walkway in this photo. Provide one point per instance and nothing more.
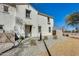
(5, 46)
(25, 49)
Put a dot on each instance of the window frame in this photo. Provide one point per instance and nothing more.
(48, 20)
(49, 29)
(28, 12)
(5, 8)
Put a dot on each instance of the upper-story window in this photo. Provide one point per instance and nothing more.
(28, 13)
(6, 8)
(48, 20)
(49, 29)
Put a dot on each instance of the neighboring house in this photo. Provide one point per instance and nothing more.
(46, 24)
(7, 22)
(7, 17)
(24, 20)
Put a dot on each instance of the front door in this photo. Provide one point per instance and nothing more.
(28, 29)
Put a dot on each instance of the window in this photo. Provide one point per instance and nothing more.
(49, 29)
(48, 20)
(39, 28)
(6, 8)
(28, 13)
(1, 26)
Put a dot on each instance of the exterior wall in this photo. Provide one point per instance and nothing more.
(20, 14)
(51, 25)
(21, 10)
(43, 22)
(7, 18)
(15, 20)
(35, 20)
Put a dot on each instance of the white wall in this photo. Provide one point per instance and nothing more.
(39, 20)
(35, 20)
(7, 19)
(21, 10)
(43, 22)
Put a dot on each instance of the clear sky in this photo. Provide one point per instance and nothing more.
(57, 10)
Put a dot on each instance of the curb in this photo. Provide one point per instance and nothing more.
(47, 48)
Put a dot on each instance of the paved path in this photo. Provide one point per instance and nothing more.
(28, 50)
(61, 46)
(5, 46)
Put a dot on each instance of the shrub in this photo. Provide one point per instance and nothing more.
(45, 38)
(32, 42)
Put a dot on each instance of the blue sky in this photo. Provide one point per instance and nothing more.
(57, 10)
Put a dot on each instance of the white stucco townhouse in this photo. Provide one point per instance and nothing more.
(33, 21)
(25, 20)
(46, 24)
(7, 17)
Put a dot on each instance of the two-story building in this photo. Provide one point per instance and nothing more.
(25, 20)
(45, 24)
(7, 17)
(28, 17)
(33, 21)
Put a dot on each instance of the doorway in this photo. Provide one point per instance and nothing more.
(28, 29)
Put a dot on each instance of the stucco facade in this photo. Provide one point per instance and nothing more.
(7, 23)
(45, 24)
(7, 19)
(21, 13)
(15, 20)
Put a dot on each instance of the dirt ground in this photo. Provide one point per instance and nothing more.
(69, 47)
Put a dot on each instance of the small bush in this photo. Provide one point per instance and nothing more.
(45, 38)
(55, 37)
(33, 42)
